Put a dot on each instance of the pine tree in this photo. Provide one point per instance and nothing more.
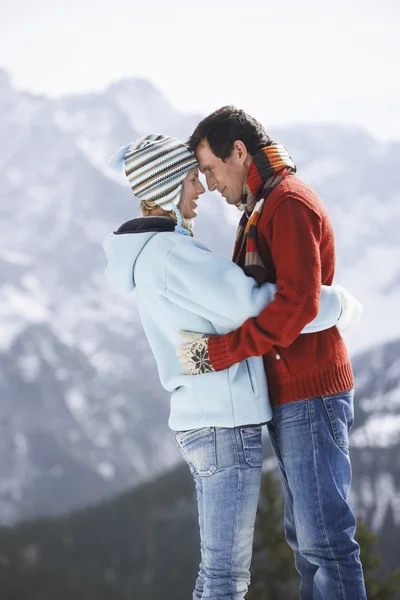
(273, 574)
(377, 589)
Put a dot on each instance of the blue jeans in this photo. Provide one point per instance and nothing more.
(310, 439)
(226, 467)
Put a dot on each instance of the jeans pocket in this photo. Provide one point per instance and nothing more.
(252, 445)
(340, 410)
(198, 449)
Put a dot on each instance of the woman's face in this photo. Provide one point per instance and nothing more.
(191, 190)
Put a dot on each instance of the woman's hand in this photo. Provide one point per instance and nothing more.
(193, 356)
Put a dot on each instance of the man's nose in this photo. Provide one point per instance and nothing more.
(211, 183)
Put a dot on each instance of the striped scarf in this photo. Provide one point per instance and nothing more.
(269, 167)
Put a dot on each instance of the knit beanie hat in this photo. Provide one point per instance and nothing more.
(156, 166)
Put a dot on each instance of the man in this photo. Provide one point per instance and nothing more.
(285, 237)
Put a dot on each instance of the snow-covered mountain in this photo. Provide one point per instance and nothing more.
(82, 415)
(375, 442)
(82, 410)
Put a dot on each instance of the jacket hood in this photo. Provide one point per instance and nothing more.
(123, 247)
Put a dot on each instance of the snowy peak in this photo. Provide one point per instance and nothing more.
(5, 81)
(146, 109)
(378, 397)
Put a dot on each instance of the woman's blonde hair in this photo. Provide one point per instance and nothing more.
(146, 207)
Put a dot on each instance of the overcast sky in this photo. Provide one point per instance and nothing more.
(297, 60)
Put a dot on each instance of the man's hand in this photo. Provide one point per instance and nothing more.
(193, 356)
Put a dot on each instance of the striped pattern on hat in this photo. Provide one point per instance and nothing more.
(156, 166)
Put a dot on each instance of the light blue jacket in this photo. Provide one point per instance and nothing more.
(181, 285)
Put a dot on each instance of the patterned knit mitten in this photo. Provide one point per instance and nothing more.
(193, 356)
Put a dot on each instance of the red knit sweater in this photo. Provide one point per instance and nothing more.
(296, 242)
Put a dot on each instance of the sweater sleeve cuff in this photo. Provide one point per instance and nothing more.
(218, 353)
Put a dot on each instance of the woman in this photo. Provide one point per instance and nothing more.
(181, 285)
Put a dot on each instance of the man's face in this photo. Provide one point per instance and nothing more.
(228, 176)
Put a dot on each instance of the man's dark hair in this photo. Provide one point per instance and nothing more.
(223, 127)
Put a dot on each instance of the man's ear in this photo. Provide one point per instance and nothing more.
(241, 150)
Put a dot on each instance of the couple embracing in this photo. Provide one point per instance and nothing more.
(245, 343)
